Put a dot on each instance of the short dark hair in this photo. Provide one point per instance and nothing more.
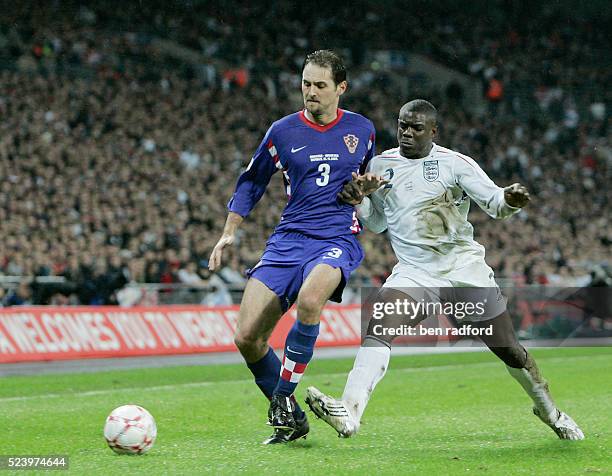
(328, 59)
(421, 106)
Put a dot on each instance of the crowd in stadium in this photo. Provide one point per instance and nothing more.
(117, 164)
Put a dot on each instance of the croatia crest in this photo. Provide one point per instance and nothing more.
(431, 171)
(351, 141)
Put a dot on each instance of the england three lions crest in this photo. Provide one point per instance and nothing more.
(431, 170)
(351, 141)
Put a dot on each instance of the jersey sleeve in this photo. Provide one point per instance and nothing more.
(253, 181)
(371, 150)
(371, 211)
(477, 184)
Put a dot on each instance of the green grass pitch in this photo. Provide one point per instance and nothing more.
(439, 414)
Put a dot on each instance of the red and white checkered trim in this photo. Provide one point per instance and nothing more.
(292, 371)
(287, 184)
(371, 141)
(273, 152)
(355, 227)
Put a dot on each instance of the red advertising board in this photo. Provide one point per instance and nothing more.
(58, 333)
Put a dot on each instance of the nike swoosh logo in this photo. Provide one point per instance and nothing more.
(293, 151)
(293, 351)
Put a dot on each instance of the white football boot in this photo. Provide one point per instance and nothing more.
(565, 427)
(333, 412)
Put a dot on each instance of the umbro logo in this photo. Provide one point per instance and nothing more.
(293, 151)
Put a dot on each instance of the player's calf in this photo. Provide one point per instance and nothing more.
(299, 348)
(513, 356)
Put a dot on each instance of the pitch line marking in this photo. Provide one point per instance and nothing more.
(92, 393)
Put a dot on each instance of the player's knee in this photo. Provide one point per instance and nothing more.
(514, 357)
(240, 341)
(309, 304)
(248, 341)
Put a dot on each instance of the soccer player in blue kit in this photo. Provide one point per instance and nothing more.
(313, 250)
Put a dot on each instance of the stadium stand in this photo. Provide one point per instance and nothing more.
(117, 157)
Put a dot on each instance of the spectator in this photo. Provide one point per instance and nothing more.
(110, 150)
(21, 296)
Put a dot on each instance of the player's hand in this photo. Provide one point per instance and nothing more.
(214, 261)
(516, 195)
(351, 193)
(369, 183)
(361, 186)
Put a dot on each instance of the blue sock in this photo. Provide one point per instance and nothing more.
(299, 348)
(266, 372)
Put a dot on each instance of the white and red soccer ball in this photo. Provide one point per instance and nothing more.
(130, 429)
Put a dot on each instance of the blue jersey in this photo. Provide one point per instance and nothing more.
(316, 162)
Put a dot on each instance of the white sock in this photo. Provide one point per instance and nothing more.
(368, 369)
(537, 388)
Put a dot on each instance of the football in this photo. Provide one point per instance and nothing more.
(130, 429)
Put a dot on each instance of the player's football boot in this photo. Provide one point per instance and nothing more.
(280, 417)
(564, 426)
(301, 430)
(331, 411)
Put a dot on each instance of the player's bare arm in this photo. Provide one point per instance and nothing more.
(516, 195)
(361, 186)
(227, 238)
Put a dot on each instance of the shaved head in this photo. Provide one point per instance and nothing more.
(420, 106)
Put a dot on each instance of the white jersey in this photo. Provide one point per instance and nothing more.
(425, 208)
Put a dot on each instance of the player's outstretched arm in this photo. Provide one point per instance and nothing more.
(227, 238)
(497, 202)
(516, 195)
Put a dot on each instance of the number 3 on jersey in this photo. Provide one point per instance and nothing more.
(323, 180)
(333, 253)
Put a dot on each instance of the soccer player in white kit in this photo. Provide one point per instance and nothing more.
(420, 192)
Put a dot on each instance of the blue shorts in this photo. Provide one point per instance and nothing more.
(289, 258)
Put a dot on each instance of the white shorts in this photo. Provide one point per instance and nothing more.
(478, 276)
